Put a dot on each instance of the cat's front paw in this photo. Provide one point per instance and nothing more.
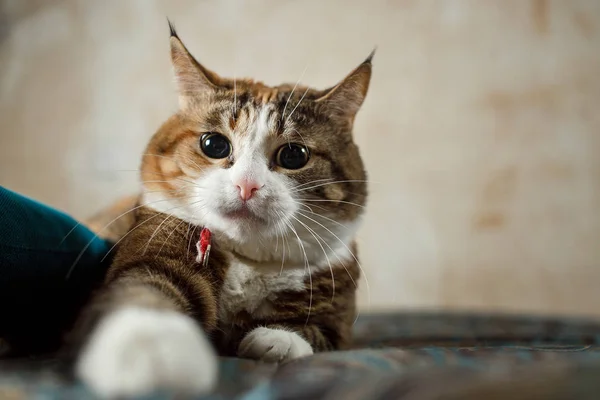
(273, 345)
(135, 351)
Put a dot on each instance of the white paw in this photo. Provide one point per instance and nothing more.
(135, 351)
(273, 345)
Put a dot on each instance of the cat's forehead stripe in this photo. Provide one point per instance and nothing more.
(267, 95)
(239, 111)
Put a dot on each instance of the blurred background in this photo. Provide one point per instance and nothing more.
(481, 130)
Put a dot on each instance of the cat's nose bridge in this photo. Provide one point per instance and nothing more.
(248, 175)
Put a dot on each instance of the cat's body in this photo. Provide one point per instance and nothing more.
(274, 174)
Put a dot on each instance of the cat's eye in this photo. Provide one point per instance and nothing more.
(215, 145)
(292, 156)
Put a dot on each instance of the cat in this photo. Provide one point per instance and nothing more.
(275, 175)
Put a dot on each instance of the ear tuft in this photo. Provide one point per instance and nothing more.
(369, 59)
(172, 31)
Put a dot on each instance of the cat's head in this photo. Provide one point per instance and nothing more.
(257, 163)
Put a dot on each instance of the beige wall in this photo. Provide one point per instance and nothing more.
(481, 131)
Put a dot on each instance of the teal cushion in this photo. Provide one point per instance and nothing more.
(49, 264)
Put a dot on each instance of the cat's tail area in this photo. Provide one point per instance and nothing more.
(113, 222)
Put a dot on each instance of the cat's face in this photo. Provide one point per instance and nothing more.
(260, 165)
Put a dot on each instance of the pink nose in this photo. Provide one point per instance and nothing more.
(247, 189)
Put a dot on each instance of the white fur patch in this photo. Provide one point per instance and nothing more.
(253, 290)
(273, 345)
(262, 125)
(135, 351)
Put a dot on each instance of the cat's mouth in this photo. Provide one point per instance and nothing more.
(243, 213)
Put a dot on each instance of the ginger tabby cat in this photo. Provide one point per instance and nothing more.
(274, 173)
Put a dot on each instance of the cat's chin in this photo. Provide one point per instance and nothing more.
(244, 216)
(244, 231)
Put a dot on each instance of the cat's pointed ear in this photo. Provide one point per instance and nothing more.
(193, 80)
(346, 98)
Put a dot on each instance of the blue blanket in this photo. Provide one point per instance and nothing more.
(401, 356)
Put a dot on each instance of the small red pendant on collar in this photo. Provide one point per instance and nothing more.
(203, 247)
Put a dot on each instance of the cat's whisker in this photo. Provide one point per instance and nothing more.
(315, 234)
(160, 181)
(335, 253)
(155, 173)
(312, 206)
(289, 249)
(190, 184)
(168, 237)
(186, 235)
(259, 237)
(351, 253)
(177, 227)
(134, 228)
(167, 191)
(154, 233)
(160, 174)
(277, 233)
(106, 226)
(79, 223)
(329, 183)
(329, 219)
(190, 239)
(277, 239)
(71, 231)
(292, 92)
(335, 201)
(298, 188)
(186, 185)
(300, 101)
(173, 158)
(308, 207)
(298, 132)
(169, 216)
(310, 183)
(234, 97)
(131, 230)
(284, 241)
(179, 193)
(187, 158)
(96, 236)
(159, 155)
(307, 267)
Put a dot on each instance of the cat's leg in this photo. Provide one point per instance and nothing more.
(281, 343)
(142, 340)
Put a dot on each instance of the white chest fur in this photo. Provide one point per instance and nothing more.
(248, 289)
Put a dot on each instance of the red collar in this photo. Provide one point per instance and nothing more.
(203, 247)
